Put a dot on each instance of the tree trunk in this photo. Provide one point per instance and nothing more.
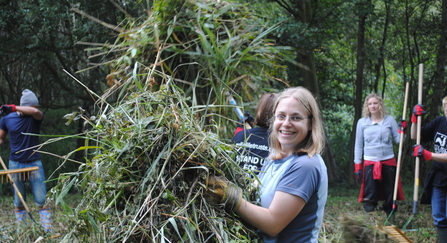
(358, 105)
(439, 88)
(307, 69)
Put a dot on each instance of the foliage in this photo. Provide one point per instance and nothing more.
(147, 178)
(341, 204)
(41, 38)
(157, 135)
(207, 47)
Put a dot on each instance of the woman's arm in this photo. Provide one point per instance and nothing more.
(358, 143)
(439, 157)
(31, 111)
(395, 130)
(283, 209)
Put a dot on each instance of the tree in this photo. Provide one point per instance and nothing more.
(39, 41)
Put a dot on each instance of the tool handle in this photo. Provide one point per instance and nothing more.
(16, 189)
(418, 140)
(238, 111)
(399, 156)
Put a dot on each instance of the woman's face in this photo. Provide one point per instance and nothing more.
(291, 124)
(373, 105)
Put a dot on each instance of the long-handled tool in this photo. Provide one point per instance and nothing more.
(399, 156)
(418, 141)
(17, 191)
(392, 230)
(22, 174)
(238, 111)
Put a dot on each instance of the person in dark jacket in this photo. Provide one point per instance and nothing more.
(252, 144)
(435, 187)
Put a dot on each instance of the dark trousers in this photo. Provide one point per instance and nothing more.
(375, 190)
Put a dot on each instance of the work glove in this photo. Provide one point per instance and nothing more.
(6, 109)
(358, 172)
(418, 150)
(247, 119)
(220, 190)
(418, 110)
(402, 126)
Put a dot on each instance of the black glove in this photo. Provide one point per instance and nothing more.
(6, 109)
(358, 176)
(247, 119)
(358, 173)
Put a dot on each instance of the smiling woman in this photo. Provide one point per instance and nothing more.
(293, 182)
(292, 131)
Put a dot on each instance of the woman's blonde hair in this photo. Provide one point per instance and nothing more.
(382, 108)
(316, 139)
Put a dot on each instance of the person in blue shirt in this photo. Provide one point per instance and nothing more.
(18, 122)
(375, 164)
(252, 145)
(293, 182)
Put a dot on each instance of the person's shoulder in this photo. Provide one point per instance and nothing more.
(304, 158)
(306, 163)
(241, 135)
(8, 120)
(439, 119)
(389, 118)
(258, 130)
(10, 116)
(361, 121)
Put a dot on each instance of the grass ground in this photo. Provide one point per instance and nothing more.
(345, 220)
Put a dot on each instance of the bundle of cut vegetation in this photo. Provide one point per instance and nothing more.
(147, 181)
(164, 126)
(356, 229)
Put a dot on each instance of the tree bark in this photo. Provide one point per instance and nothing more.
(302, 12)
(439, 88)
(358, 105)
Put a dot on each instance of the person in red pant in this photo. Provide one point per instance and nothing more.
(375, 134)
(435, 187)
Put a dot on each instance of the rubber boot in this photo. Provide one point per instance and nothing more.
(442, 235)
(45, 219)
(20, 216)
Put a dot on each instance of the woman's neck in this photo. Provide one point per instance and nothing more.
(376, 118)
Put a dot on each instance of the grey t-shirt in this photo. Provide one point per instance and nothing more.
(306, 178)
